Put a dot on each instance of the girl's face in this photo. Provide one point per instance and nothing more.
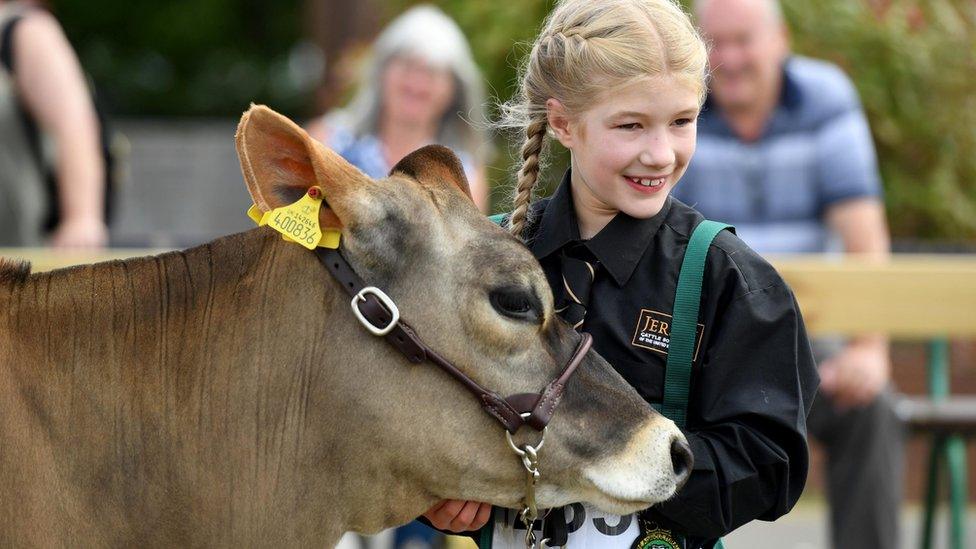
(416, 92)
(630, 148)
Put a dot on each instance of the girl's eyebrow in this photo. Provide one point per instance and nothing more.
(628, 114)
(625, 114)
(637, 114)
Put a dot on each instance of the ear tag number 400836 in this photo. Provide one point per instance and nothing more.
(299, 221)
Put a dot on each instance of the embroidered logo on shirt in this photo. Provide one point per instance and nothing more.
(657, 539)
(653, 332)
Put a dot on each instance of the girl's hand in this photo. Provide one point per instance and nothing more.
(455, 515)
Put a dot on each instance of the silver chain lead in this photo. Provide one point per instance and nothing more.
(530, 510)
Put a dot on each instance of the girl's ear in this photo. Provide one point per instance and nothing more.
(560, 122)
(280, 162)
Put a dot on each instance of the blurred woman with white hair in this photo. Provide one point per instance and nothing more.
(421, 86)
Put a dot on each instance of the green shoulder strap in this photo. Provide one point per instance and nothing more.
(497, 218)
(487, 532)
(684, 322)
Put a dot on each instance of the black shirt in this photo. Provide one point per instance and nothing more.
(753, 377)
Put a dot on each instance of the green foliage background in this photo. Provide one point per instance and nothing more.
(914, 64)
(186, 57)
(913, 61)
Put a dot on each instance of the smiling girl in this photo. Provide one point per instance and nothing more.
(619, 83)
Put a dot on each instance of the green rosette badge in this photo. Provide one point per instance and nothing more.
(656, 538)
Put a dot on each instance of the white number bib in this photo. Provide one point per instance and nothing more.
(588, 528)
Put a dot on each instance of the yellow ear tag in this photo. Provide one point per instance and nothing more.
(330, 238)
(299, 222)
(255, 214)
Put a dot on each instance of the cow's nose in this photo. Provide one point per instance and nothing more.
(681, 460)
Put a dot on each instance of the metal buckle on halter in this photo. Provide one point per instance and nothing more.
(385, 300)
(519, 451)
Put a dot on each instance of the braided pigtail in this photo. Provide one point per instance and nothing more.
(528, 176)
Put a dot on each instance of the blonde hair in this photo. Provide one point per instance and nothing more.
(586, 47)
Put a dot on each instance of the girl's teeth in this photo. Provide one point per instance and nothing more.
(647, 182)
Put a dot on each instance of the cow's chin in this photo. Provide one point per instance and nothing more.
(552, 497)
(611, 495)
(616, 506)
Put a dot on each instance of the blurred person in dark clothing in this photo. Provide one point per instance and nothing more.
(42, 84)
(785, 154)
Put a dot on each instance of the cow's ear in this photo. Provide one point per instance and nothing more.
(280, 162)
(434, 164)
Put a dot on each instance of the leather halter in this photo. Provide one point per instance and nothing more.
(380, 316)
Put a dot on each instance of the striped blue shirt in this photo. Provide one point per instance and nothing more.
(816, 151)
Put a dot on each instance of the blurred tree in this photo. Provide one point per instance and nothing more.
(191, 57)
(914, 64)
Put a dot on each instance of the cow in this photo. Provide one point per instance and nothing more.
(225, 395)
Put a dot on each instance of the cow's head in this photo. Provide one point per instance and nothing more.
(478, 297)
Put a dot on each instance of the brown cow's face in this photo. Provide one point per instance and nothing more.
(479, 298)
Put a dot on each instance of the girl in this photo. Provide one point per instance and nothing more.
(418, 88)
(619, 83)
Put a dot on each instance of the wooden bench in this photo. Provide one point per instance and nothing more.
(915, 297)
(957, 415)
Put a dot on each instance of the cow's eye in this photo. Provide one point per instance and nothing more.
(516, 303)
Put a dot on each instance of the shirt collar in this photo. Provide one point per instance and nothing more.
(558, 225)
(619, 246)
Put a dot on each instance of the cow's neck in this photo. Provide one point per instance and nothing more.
(183, 387)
